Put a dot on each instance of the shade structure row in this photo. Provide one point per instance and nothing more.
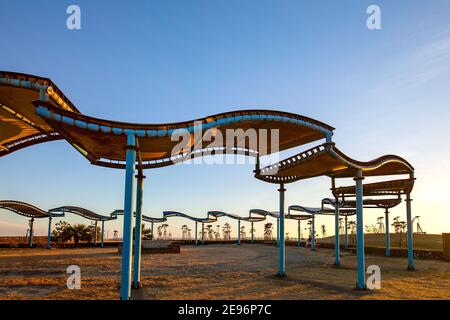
(33, 212)
(327, 160)
(34, 110)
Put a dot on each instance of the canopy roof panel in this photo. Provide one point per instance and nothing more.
(103, 141)
(322, 210)
(213, 216)
(24, 209)
(20, 126)
(384, 188)
(85, 213)
(386, 203)
(327, 160)
(253, 216)
(276, 214)
(53, 116)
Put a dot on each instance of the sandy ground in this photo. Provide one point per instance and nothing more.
(216, 272)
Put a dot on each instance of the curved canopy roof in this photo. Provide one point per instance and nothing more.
(386, 203)
(212, 216)
(252, 217)
(327, 160)
(346, 207)
(24, 209)
(85, 213)
(103, 141)
(34, 110)
(276, 214)
(322, 210)
(20, 126)
(120, 212)
(384, 188)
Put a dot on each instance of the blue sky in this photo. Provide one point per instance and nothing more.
(385, 91)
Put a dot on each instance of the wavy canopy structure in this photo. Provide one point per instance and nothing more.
(82, 212)
(20, 126)
(24, 209)
(327, 160)
(34, 110)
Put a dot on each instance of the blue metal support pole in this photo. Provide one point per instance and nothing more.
(239, 232)
(95, 234)
(138, 233)
(346, 233)
(337, 253)
(388, 236)
(49, 233)
(196, 234)
(360, 231)
(125, 288)
(282, 269)
(313, 233)
(278, 232)
(103, 234)
(299, 237)
(410, 233)
(253, 235)
(30, 241)
(337, 249)
(153, 235)
(203, 233)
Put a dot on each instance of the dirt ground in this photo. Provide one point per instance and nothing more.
(216, 272)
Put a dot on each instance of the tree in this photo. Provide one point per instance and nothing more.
(164, 228)
(352, 227)
(226, 230)
(184, 232)
(268, 231)
(159, 231)
(324, 230)
(371, 228)
(209, 231)
(243, 233)
(146, 233)
(63, 232)
(81, 232)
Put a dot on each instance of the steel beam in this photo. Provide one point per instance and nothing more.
(203, 233)
(410, 233)
(138, 232)
(196, 233)
(49, 233)
(278, 232)
(360, 231)
(239, 233)
(30, 240)
(125, 288)
(103, 234)
(282, 244)
(346, 232)
(388, 236)
(253, 236)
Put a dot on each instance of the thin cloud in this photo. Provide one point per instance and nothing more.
(425, 64)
